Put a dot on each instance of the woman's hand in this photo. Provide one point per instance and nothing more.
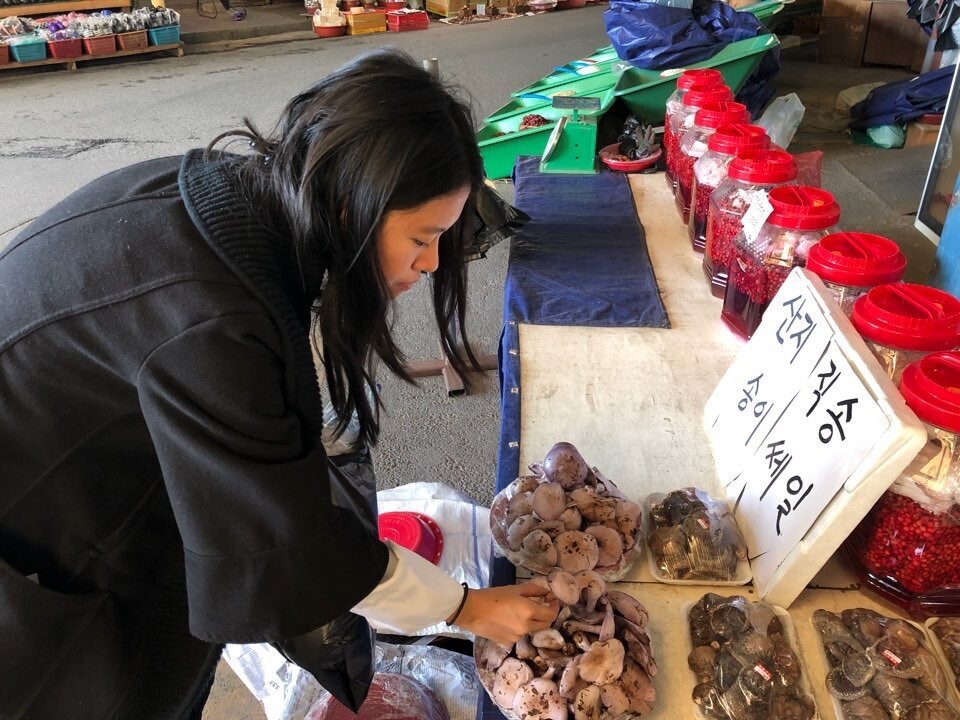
(505, 614)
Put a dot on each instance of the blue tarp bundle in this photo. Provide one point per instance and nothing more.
(904, 100)
(657, 37)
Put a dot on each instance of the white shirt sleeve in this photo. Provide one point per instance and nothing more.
(413, 594)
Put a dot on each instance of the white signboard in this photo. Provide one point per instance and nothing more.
(803, 409)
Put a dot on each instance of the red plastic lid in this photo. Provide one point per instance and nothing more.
(931, 387)
(763, 167)
(857, 258)
(703, 76)
(699, 95)
(718, 114)
(908, 317)
(931, 119)
(801, 207)
(731, 139)
(414, 531)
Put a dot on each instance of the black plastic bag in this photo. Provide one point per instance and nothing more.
(656, 37)
(340, 654)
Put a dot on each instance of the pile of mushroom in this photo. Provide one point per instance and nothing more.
(594, 663)
(566, 516)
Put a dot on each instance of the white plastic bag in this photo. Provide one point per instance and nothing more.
(782, 118)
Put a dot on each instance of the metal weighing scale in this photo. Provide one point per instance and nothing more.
(572, 147)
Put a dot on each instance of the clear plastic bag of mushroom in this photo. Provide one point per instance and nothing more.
(745, 663)
(566, 515)
(693, 539)
(881, 668)
(945, 633)
(594, 663)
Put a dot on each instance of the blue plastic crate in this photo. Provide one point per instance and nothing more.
(28, 52)
(169, 35)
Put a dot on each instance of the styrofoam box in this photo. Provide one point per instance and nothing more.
(779, 577)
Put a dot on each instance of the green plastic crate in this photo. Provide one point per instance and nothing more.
(645, 92)
(764, 10)
(500, 151)
(597, 64)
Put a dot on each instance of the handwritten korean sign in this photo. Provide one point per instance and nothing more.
(790, 422)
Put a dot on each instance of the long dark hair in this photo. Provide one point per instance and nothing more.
(377, 135)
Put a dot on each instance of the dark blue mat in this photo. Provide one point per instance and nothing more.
(582, 261)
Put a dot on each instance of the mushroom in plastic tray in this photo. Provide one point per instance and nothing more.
(744, 662)
(567, 516)
(879, 668)
(946, 631)
(694, 538)
(594, 663)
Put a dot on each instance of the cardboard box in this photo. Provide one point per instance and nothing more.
(446, 8)
(919, 133)
(870, 32)
(365, 23)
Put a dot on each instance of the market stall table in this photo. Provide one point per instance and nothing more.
(631, 399)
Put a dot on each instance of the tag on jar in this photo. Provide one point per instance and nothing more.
(756, 215)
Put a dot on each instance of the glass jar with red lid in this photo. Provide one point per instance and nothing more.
(693, 145)
(907, 548)
(902, 322)
(710, 169)
(850, 263)
(800, 216)
(701, 78)
(682, 120)
(748, 176)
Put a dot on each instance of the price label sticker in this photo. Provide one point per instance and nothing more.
(756, 215)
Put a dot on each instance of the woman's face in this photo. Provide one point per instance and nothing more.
(409, 240)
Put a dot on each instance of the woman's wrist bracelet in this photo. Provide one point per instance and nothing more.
(463, 601)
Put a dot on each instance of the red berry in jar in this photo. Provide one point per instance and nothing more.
(799, 217)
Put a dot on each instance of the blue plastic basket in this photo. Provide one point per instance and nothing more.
(28, 52)
(169, 35)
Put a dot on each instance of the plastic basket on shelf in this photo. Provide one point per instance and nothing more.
(169, 35)
(136, 40)
(4, 54)
(65, 49)
(28, 52)
(100, 45)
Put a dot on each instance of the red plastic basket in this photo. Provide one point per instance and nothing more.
(4, 54)
(103, 45)
(404, 21)
(64, 49)
(136, 40)
(391, 5)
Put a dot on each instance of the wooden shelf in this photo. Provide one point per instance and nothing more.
(71, 63)
(58, 8)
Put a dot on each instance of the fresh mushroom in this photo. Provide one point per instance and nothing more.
(524, 483)
(636, 683)
(576, 551)
(564, 587)
(571, 518)
(570, 682)
(524, 649)
(609, 545)
(540, 698)
(512, 675)
(592, 587)
(587, 704)
(519, 529)
(549, 501)
(539, 548)
(627, 516)
(614, 699)
(592, 506)
(493, 655)
(629, 607)
(519, 505)
(603, 662)
(565, 465)
(550, 639)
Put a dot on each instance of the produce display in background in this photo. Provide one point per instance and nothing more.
(594, 663)
(745, 665)
(947, 632)
(533, 120)
(695, 538)
(881, 668)
(567, 516)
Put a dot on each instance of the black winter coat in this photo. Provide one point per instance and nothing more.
(163, 488)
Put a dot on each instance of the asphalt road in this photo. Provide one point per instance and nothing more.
(62, 129)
